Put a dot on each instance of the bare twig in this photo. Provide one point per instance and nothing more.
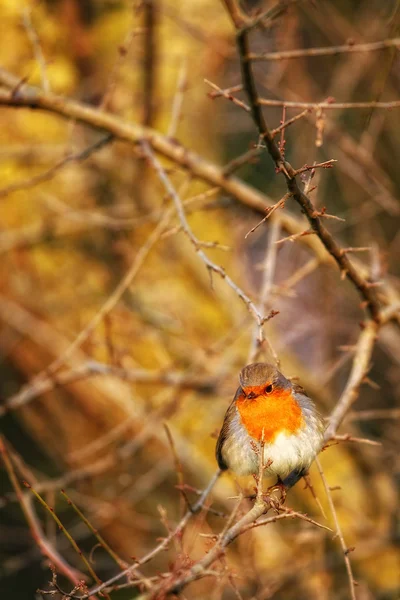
(229, 534)
(327, 164)
(338, 531)
(66, 533)
(330, 105)
(359, 370)
(178, 100)
(286, 124)
(350, 438)
(34, 526)
(37, 48)
(50, 173)
(93, 368)
(164, 543)
(269, 212)
(228, 95)
(211, 266)
(296, 236)
(258, 337)
(330, 51)
(120, 563)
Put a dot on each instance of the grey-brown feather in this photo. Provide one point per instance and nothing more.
(224, 433)
(257, 374)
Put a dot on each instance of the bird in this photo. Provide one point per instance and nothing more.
(271, 409)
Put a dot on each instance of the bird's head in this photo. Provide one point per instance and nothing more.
(263, 380)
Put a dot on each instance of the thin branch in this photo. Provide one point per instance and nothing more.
(93, 368)
(296, 236)
(338, 531)
(227, 95)
(38, 536)
(360, 367)
(330, 51)
(258, 337)
(361, 363)
(37, 48)
(327, 164)
(221, 92)
(163, 545)
(66, 533)
(52, 171)
(287, 513)
(119, 562)
(329, 105)
(243, 159)
(211, 266)
(230, 533)
(280, 204)
(113, 299)
(178, 100)
(357, 440)
(289, 122)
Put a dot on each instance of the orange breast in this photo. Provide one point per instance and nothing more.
(275, 413)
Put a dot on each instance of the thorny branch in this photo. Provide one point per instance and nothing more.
(20, 94)
(232, 530)
(211, 266)
(282, 166)
(164, 543)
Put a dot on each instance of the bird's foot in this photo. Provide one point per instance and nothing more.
(271, 498)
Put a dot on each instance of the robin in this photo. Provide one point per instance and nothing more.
(268, 407)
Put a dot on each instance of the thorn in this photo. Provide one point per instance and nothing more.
(371, 383)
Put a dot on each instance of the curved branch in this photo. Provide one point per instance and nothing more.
(20, 94)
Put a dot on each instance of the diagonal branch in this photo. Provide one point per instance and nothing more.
(19, 94)
(211, 266)
(360, 368)
(345, 265)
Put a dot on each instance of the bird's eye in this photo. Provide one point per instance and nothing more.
(268, 389)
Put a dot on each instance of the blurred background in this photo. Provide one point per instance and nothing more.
(74, 222)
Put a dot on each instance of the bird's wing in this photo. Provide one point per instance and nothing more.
(298, 389)
(223, 434)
